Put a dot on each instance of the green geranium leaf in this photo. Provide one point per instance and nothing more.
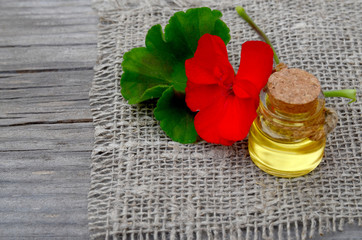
(175, 118)
(185, 29)
(150, 70)
(159, 68)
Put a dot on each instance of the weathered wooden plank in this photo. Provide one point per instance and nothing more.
(39, 82)
(45, 21)
(51, 39)
(41, 97)
(41, 198)
(65, 35)
(35, 31)
(41, 58)
(46, 160)
(44, 3)
(47, 52)
(27, 11)
(49, 7)
(67, 137)
(43, 192)
(44, 180)
(74, 78)
(28, 29)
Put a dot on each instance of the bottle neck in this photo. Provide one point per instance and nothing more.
(291, 125)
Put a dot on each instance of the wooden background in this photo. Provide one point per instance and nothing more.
(47, 54)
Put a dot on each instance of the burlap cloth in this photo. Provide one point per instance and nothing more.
(145, 186)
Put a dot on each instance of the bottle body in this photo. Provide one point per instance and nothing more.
(287, 144)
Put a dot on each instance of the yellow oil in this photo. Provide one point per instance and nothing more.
(278, 142)
(284, 158)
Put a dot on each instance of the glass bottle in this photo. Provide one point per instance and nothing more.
(287, 144)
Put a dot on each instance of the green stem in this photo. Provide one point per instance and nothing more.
(245, 16)
(347, 93)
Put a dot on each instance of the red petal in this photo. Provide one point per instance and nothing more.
(210, 64)
(207, 121)
(199, 96)
(256, 63)
(238, 116)
(226, 121)
(245, 89)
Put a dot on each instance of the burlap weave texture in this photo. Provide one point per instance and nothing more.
(145, 186)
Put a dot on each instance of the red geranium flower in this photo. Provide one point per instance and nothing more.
(226, 103)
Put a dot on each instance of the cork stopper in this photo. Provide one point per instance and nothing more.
(293, 90)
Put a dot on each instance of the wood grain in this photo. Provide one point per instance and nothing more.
(47, 54)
